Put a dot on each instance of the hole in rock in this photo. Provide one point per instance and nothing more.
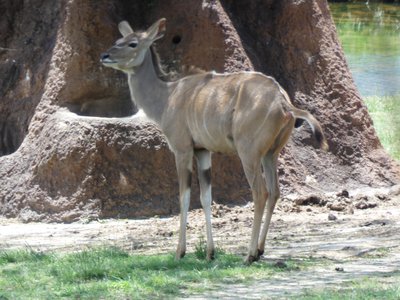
(176, 39)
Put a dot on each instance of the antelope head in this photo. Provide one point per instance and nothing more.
(129, 51)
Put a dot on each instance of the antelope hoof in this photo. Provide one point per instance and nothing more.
(211, 255)
(260, 252)
(179, 254)
(250, 259)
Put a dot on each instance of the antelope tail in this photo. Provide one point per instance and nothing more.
(315, 126)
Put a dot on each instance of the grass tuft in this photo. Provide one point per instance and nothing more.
(363, 289)
(201, 249)
(23, 255)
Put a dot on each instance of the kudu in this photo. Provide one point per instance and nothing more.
(246, 113)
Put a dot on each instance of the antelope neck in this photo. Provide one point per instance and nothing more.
(147, 90)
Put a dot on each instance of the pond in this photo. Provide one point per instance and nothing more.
(370, 35)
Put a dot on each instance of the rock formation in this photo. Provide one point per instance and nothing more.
(71, 149)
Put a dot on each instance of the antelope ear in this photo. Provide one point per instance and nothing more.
(157, 30)
(124, 28)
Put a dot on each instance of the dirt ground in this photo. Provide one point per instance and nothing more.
(358, 234)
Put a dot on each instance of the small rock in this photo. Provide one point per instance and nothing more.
(382, 197)
(311, 200)
(167, 234)
(296, 209)
(347, 200)
(344, 194)
(280, 264)
(235, 219)
(339, 269)
(364, 204)
(332, 217)
(381, 222)
(361, 205)
(337, 206)
(349, 248)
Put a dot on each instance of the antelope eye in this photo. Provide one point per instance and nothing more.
(133, 44)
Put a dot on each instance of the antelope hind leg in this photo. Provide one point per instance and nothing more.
(252, 169)
(204, 174)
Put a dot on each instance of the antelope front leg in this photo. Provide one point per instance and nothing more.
(204, 174)
(184, 169)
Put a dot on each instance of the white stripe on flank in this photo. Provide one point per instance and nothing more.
(204, 121)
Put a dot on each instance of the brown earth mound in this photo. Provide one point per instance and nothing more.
(58, 164)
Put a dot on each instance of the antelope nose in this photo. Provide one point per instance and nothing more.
(104, 56)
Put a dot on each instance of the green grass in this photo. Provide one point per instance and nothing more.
(385, 112)
(110, 273)
(364, 289)
(368, 29)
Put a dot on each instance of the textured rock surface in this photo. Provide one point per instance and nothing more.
(61, 166)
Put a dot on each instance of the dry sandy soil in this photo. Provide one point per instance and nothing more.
(363, 241)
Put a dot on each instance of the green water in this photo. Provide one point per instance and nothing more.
(370, 35)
